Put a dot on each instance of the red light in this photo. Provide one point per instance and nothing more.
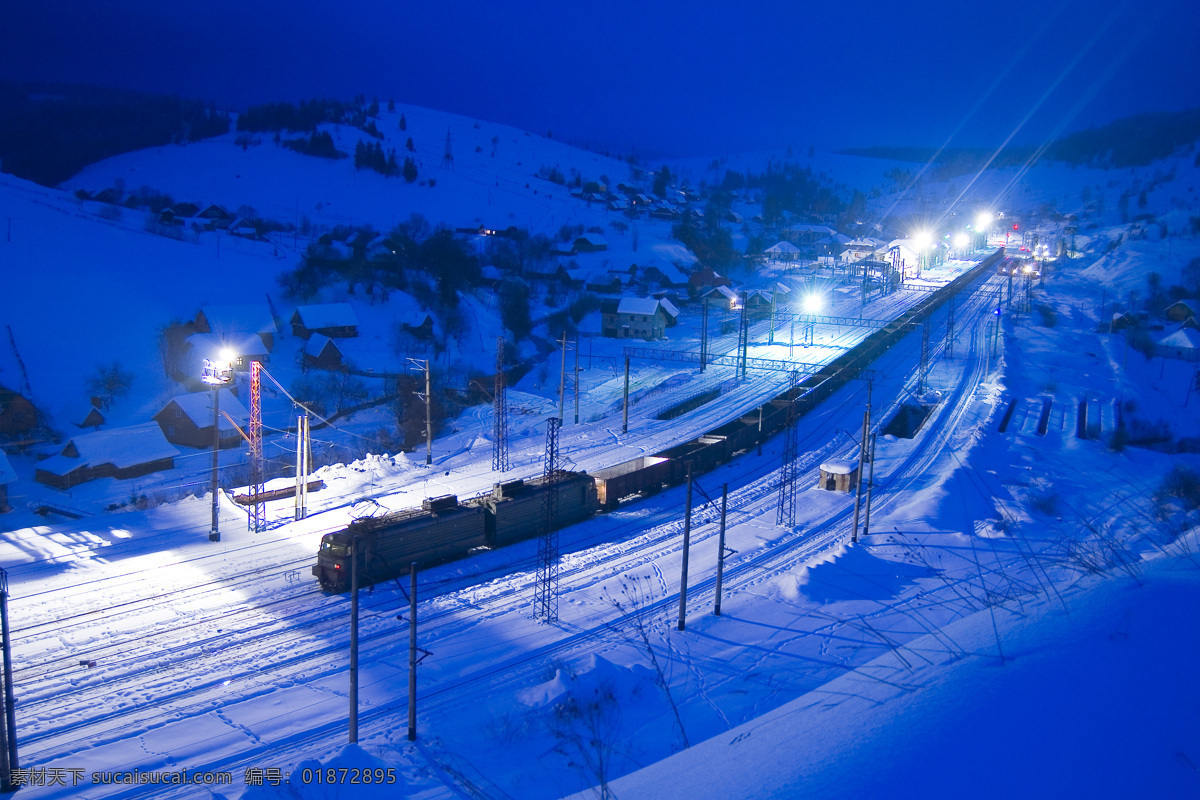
(1014, 226)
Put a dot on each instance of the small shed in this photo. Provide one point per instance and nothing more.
(839, 476)
(783, 251)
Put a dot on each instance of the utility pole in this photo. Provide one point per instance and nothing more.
(8, 725)
(743, 339)
(771, 330)
(704, 335)
(950, 329)
(858, 484)
(576, 378)
(721, 549)
(412, 653)
(354, 641)
(428, 398)
(625, 414)
(214, 532)
(562, 378)
(303, 446)
(687, 537)
(870, 489)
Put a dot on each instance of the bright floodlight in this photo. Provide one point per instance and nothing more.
(961, 241)
(923, 240)
(983, 220)
(813, 303)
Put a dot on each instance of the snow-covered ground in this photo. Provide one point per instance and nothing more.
(1010, 625)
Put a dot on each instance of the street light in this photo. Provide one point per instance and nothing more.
(813, 303)
(960, 244)
(217, 374)
(982, 223)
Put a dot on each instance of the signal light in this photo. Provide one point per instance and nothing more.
(1014, 226)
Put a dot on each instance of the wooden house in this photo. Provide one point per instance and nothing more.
(636, 317)
(239, 319)
(782, 251)
(187, 419)
(1179, 311)
(335, 320)
(589, 243)
(93, 419)
(7, 476)
(721, 297)
(120, 453)
(1183, 344)
(321, 352)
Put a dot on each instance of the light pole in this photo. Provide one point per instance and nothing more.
(216, 374)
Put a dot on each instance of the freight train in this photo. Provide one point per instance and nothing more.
(445, 528)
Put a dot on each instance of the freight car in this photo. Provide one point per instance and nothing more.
(443, 528)
(516, 510)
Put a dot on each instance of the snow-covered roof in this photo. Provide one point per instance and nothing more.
(1184, 339)
(256, 318)
(802, 226)
(197, 406)
(783, 248)
(839, 466)
(326, 315)
(638, 305)
(121, 447)
(593, 239)
(317, 344)
(210, 345)
(725, 291)
(7, 473)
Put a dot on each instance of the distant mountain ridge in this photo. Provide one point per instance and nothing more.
(51, 131)
(1135, 141)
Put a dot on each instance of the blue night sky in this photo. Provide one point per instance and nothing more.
(669, 78)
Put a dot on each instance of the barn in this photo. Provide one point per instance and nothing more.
(120, 453)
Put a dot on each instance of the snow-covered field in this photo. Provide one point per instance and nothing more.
(1013, 623)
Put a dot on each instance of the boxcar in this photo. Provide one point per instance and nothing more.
(442, 529)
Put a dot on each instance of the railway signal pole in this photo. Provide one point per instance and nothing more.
(787, 474)
(412, 653)
(743, 339)
(256, 520)
(303, 450)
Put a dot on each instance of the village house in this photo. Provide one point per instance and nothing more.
(238, 319)
(636, 318)
(1179, 311)
(335, 320)
(121, 453)
(782, 251)
(721, 297)
(240, 348)
(187, 419)
(321, 352)
(7, 476)
(589, 243)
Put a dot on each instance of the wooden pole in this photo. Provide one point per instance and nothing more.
(625, 414)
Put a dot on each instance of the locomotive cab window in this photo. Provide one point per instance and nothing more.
(334, 549)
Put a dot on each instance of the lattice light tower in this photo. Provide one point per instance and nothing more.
(546, 593)
(787, 475)
(500, 412)
(256, 521)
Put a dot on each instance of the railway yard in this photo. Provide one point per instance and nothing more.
(231, 656)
